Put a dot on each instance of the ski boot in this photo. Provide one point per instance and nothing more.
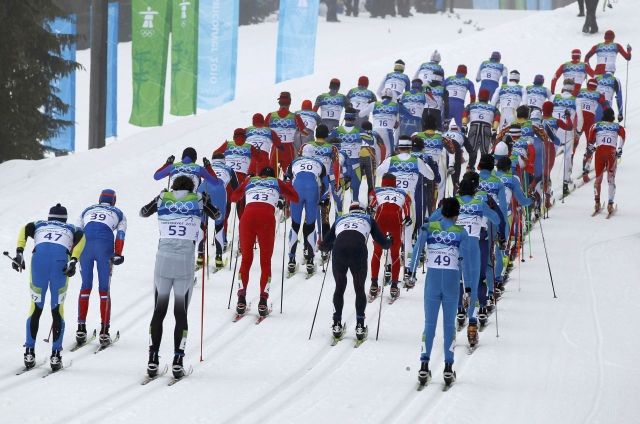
(387, 274)
(422, 258)
(497, 290)
(597, 206)
(81, 334)
(565, 190)
(374, 290)
(199, 261)
(292, 266)
(153, 364)
(311, 267)
(466, 299)
(337, 330)
(461, 318)
(55, 361)
(325, 257)
(490, 303)
(263, 308)
(219, 263)
(177, 368)
(225, 246)
(482, 317)
(362, 331)
(424, 375)
(449, 374)
(472, 334)
(409, 280)
(105, 338)
(29, 358)
(241, 305)
(610, 208)
(394, 292)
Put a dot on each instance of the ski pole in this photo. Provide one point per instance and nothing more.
(319, 297)
(284, 253)
(206, 246)
(49, 336)
(548, 265)
(564, 164)
(235, 267)
(233, 235)
(386, 261)
(206, 236)
(5, 253)
(626, 94)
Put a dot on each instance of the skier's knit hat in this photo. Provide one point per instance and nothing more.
(107, 196)
(592, 83)
(350, 114)
(515, 131)
(547, 108)
(496, 56)
(366, 125)
(416, 84)
(522, 111)
(486, 162)
(388, 180)
(284, 99)
(601, 68)
(267, 171)
(472, 176)
(387, 92)
(258, 120)
(450, 207)
(435, 56)
(334, 84)
(483, 95)
(322, 131)
(609, 35)
(399, 65)
(568, 85)
(462, 69)
(239, 136)
(356, 207)
(405, 142)
(538, 79)
(576, 53)
(501, 149)
(514, 76)
(466, 187)
(608, 115)
(190, 153)
(504, 163)
(363, 81)
(58, 213)
(307, 105)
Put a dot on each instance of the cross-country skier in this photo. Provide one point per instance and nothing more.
(396, 81)
(412, 104)
(384, 119)
(434, 148)
(445, 242)
(347, 240)
(457, 87)
(437, 100)
(454, 138)
(311, 120)
(286, 124)
(258, 135)
(187, 166)
(551, 125)
(561, 102)
(508, 98)
(392, 208)
(482, 118)
(219, 195)
(179, 214)
(309, 178)
(349, 137)
(606, 53)
(609, 85)
(603, 139)
(370, 154)
(575, 70)
(262, 193)
(490, 72)
(426, 71)
(330, 105)
(360, 97)
(98, 222)
(536, 94)
(57, 247)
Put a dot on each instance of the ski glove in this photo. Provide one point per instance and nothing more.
(464, 130)
(450, 170)
(407, 221)
(206, 163)
(324, 202)
(216, 213)
(117, 260)
(70, 268)
(502, 242)
(620, 117)
(629, 48)
(18, 262)
(170, 160)
(280, 204)
(619, 152)
(346, 183)
(567, 113)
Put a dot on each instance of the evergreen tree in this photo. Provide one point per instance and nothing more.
(30, 61)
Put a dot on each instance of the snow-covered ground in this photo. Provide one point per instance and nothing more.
(569, 359)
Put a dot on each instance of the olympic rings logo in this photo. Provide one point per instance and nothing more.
(403, 167)
(282, 123)
(179, 206)
(189, 169)
(238, 151)
(146, 33)
(385, 109)
(332, 101)
(443, 236)
(349, 138)
(469, 209)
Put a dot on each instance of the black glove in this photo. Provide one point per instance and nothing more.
(18, 262)
(280, 204)
(620, 117)
(346, 182)
(206, 162)
(70, 268)
(629, 48)
(117, 259)
(619, 152)
(370, 210)
(170, 160)
(494, 133)
(407, 221)
(389, 239)
(216, 213)
(467, 289)
(324, 202)
(567, 113)
(502, 242)
(464, 130)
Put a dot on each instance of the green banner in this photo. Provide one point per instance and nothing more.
(150, 37)
(184, 57)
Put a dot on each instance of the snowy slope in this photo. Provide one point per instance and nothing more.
(569, 359)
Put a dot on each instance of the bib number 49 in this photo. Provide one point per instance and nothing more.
(442, 260)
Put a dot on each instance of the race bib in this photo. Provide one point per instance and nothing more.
(607, 138)
(490, 74)
(102, 215)
(471, 223)
(480, 115)
(182, 228)
(353, 224)
(535, 101)
(351, 149)
(331, 111)
(390, 197)
(358, 102)
(384, 121)
(306, 166)
(395, 85)
(456, 91)
(415, 109)
(309, 122)
(510, 100)
(238, 163)
(54, 234)
(443, 258)
(286, 134)
(262, 195)
(260, 142)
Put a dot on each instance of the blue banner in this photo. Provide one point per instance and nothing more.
(65, 140)
(297, 27)
(486, 4)
(112, 70)
(217, 52)
(546, 5)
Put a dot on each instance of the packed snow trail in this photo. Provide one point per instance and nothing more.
(569, 359)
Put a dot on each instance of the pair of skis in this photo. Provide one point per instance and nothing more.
(238, 317)
(163, 372)
(92, 338)
(445, 388)
(335, 340)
